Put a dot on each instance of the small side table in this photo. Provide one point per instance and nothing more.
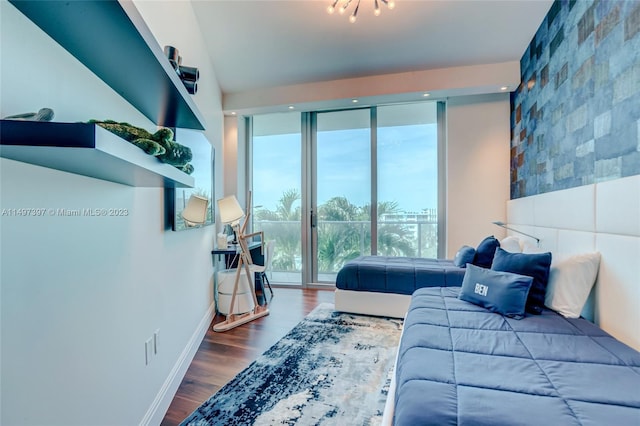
(231, 261)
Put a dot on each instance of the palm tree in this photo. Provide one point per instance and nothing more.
(344, 232)
(341, 233)
(338, 243)
(394, 239)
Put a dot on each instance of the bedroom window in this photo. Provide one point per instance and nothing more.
(407, 151)
(340, 190)
(276, 191)
(331, 186)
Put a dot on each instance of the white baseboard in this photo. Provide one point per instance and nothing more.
(162, 401)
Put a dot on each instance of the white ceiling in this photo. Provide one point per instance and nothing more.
(261, 44)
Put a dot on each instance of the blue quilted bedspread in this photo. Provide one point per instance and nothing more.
(461, 364)
(402, 275)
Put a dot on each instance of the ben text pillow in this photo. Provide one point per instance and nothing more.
(501, 292)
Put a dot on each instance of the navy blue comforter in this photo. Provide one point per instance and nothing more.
(461, 364)
(401, 275)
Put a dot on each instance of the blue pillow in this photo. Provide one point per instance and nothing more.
(465, 255)
(485, 251)
(501, 292)
(533, 265)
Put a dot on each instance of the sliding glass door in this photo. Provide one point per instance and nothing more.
(332, 186)
(407, 148)
(341, 191)
(276, 148)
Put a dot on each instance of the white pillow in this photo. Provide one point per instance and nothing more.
(511, 244)
(532, 248)
(570, 283)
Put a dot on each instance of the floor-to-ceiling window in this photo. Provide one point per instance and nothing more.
(407, 152)
(341, 190)
(331, 186)
(276, 169)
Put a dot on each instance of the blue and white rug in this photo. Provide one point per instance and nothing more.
(331, 369)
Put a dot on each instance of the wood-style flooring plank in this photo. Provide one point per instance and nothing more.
(221, 356)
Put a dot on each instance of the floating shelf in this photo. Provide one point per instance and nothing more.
(88, 150)
(112, 40)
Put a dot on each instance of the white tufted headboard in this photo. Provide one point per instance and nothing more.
(602, 217)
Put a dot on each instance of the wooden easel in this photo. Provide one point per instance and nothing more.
(245, 261)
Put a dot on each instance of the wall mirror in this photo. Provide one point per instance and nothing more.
(203, 163)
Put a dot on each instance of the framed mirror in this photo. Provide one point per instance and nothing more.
(203, 163)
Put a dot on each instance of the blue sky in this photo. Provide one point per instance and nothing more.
(407, 171)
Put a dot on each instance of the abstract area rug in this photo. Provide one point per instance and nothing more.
(331, 369)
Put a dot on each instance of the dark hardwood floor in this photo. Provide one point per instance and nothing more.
(221, 356)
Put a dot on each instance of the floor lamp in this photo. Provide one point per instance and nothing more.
(231, 213)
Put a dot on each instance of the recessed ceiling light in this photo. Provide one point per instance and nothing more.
(233, 113)
(291, 107)
(503, 88)
(426, 94)
(355, 101)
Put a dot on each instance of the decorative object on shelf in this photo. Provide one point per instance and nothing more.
(344, 4)
(231, 213)
(88, 29)
(188, 75)
(159, 144)
(505, 226)
(174, 57)
(44, 114)
(195, 214)
(192, 86)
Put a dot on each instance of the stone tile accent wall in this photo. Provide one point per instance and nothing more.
(575, 118)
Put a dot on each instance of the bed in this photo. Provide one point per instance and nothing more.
(382, 285)
(400, 275)
(459, 363)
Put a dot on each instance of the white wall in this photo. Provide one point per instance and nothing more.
(230, 154)
(80, 295)
(478, 135)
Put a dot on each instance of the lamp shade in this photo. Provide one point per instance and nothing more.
(195, 213)
(230, 210)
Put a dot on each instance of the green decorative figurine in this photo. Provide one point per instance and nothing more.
(159, 144)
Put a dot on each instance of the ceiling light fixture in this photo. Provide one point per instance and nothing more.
(343, 5)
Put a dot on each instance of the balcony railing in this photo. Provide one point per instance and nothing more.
(341, 241)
